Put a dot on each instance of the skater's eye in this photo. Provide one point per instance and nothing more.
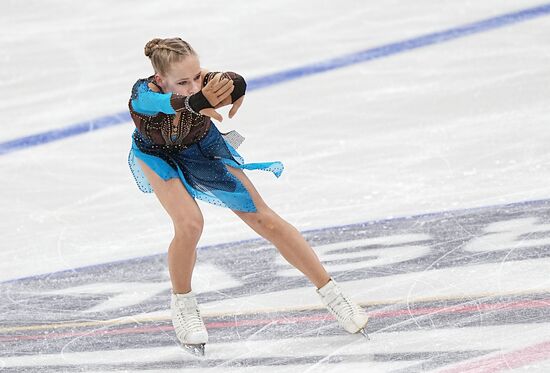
(184, 82)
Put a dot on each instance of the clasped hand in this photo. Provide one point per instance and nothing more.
(218, 93)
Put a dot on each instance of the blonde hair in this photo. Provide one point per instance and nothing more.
(164, 52)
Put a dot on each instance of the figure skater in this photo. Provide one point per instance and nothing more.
(179, 154)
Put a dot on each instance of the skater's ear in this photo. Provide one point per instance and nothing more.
(158, 81)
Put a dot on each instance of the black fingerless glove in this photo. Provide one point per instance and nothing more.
(194, 103)
(239, 85)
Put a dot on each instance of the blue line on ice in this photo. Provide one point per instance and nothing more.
(298, 72)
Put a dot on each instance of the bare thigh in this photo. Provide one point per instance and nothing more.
(173, 196)
(264, 221)
(261, 206)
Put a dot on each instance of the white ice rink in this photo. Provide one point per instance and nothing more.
(457, 126)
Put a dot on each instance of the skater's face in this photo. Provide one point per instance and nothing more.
(183, 77)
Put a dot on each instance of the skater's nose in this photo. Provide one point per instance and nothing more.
(196, 86)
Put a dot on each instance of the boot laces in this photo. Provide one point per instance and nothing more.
(190, 315)
(343, 307)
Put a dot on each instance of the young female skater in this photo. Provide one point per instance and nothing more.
(178, 153)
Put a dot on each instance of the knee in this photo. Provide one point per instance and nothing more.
(189, 228)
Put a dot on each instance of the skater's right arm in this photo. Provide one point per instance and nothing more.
(148, 100)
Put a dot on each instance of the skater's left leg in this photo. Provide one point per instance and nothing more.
(295, 249)
(287, 239)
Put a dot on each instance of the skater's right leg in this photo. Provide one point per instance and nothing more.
(188, 224)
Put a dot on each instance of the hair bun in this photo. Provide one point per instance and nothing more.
(151, 46)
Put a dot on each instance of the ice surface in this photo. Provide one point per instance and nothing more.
(454, 134)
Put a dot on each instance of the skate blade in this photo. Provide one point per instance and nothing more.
(365, 334)
(194, 349)
(363, 330)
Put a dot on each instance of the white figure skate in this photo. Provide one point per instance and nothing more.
(348, 314)
(188, 323)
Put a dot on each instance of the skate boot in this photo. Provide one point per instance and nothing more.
(348, 314)
(188, 323)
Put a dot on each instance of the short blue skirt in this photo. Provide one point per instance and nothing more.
(201, 168)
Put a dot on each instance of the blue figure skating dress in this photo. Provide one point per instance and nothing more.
(177, 142)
